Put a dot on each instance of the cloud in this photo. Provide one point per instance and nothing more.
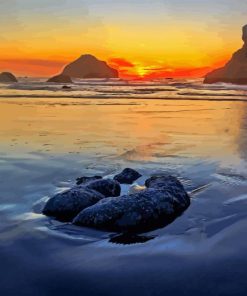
(35, 62)
(179, 72)
(121, 63)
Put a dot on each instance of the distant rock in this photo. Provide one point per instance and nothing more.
(7, 77)
(235, 71)
(88, 66)
(84, 180)
(140, 212)
(60, 79)
(127, 176)
(66, 87)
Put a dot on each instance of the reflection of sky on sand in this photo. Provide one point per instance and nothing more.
(147, 131)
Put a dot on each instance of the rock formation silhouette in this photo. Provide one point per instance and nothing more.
(60, 79)
(88, 66)
(235, 71)
(7, 77)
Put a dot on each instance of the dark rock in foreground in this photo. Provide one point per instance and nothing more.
(171, 184)
(84, 180)
(96, 203)
(235, 71)
(163, 182)
(7, 77)
(144, 211)
(107, 187)
(60, 79)
(66, 205)
(88, 66)
(127, 176)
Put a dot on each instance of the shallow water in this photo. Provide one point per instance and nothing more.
(48, 138)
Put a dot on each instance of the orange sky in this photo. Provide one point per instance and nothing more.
(140, 39)
(127, 69)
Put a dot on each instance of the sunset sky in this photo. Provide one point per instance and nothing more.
(139, 37)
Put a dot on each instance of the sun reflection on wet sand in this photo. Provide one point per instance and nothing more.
(140, 131)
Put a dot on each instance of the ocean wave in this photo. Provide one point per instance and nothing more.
(126, 97)
(176, 89)
(213, 94)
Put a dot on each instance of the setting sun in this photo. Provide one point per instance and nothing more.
(141, 71)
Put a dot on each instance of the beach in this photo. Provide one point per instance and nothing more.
(49, 137)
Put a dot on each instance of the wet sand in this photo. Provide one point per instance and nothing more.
(46, 143)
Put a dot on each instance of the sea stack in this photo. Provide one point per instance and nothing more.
(235, 71)
(88, 66)
(60, 79)
(7, 77)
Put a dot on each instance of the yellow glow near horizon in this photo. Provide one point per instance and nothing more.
(140, 71)
(180, 45)
(163, 45)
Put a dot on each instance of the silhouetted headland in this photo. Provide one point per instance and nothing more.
(60, 79)
(235, 71)
(88, 66)
(7, 77)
